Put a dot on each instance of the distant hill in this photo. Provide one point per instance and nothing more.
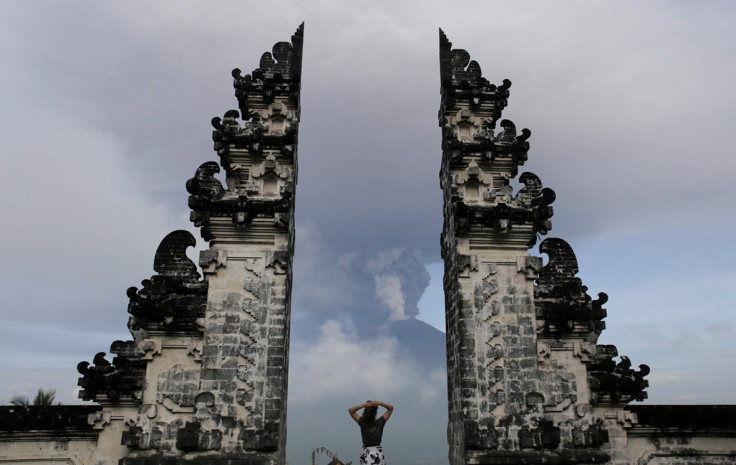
(421, 341)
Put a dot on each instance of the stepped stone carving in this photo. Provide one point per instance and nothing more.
(123, 378)
(521, 336)
(175, 298)
(563, 304)
(205, 379)
(612, 382)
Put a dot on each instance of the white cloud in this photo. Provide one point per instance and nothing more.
(340, 364)
(388, 291)
(76, 216)
(79, 230)
(400, 279)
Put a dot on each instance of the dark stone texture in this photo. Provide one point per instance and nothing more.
(561, 298)
(593, 436)
(174, 298)
(545, 435)
(123, 378)
(686, 418)
(187, 438)
(612, 382)
(461, 78)
(242, 209)
(57, 420)
(279, 73)
(503, 216)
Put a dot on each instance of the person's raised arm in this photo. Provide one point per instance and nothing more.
(389, 409)
(352, 411)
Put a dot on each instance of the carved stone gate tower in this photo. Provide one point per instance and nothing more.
(526, 381)
(205, 379)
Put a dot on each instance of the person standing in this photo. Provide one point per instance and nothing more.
(371, 430)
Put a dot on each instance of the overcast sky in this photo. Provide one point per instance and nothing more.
(105, 115)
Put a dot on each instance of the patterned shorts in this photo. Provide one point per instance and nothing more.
(372, 456)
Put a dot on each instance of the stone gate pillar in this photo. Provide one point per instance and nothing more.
(204, 380)
(249, 224)
(488, 272)
(526, 381)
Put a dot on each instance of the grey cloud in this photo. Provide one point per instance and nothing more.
(340, 362)
(362, 289)
(401, 278)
